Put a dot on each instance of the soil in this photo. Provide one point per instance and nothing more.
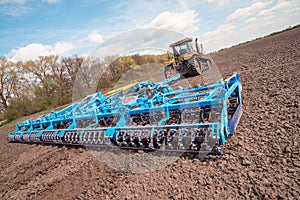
(261, 160)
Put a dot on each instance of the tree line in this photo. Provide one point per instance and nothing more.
(47, 82)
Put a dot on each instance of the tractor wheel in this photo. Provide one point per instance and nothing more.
(205, 63)
(194, 66)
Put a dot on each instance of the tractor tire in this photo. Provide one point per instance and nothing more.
(205, 64)
(194, 66)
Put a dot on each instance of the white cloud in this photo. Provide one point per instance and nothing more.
(281, 5)
(138, 41)
(184, 22)
(51, 1)
(95, 38)
(17, 8)
(12, 1)
(217, 39)
(34, 50)
(263, 22)
(24, 1)
(218, 3)
(297, 9)
(185, 5)
(28, 52)
(63, 48)
(14, 10)
(247, 11)
(224, 28)
(251, 20)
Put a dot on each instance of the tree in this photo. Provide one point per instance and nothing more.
(42, 67)
(8, 81)
(72, 66)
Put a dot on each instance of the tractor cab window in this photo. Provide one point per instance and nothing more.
(183, 48)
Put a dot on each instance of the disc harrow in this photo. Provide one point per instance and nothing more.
(143, 116)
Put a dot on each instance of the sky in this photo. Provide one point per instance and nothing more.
(32, 28)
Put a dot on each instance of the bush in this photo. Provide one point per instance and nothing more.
(18, 108)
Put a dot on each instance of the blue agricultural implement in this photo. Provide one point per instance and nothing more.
(145, 116)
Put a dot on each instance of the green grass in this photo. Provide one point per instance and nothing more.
(33, 116)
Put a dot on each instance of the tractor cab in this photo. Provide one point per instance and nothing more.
(182, 47)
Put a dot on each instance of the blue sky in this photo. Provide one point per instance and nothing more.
(29, 28)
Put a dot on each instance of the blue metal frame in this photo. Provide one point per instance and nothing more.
(162, 99)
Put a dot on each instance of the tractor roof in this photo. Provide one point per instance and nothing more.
(181, 42)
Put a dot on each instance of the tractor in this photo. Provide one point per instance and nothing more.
(187, 59)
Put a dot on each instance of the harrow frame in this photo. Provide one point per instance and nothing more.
(143, 115)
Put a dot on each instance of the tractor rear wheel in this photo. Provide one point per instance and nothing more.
(205, 63)
(194, 66)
